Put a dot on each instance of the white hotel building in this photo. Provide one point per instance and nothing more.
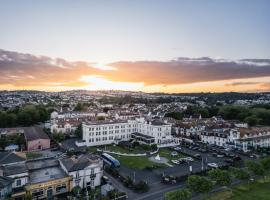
(108, 132)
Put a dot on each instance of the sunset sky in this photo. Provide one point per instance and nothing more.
(141, 45)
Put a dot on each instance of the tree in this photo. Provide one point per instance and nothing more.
(252, 120)
(221, 177)
(3, 141)
(59, 137)
(174, 115)
(100, 118)
(241, 174)
(256, 168)
(265, 163)
(24, 119)
(141, 186)
(180, 194)
(199, 184)
(79, 107)
(76, 190)
(78, 131)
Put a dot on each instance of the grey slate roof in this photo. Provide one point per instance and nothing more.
(17, 168)
(9, 157)
(5, 181)
(34, 133)
(75, 164)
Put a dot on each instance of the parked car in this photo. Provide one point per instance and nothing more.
(212, 165)
(220, 155)
(237, 158)
(182, 161)
(197, 156)
(189, 159)
(214, 154)
(177, 148)
(174, 153)
(175, 162)
(230, 161)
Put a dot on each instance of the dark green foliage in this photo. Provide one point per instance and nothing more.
(25, 116)
(13, 139)
(79, 107)
(174, 115)
(180, 194)
(78, 131)
(199, 184)
(221, 177)
(141, 186)
(252, 120)
(59, 137)
(241, 174)
(265, 162)
(255, 167)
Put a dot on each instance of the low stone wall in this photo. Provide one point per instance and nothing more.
(128, 154)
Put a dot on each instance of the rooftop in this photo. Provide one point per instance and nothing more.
(75, 164)
(46, 174)
(10, 157)
(101, 122)
(5, 181)
(34, 133)
(42, 163)
(17, 168)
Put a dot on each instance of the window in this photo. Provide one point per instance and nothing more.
(61, 188)
(18, 182)
(37, 193)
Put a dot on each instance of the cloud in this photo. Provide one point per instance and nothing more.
(242, 83)
(25, 70)
(188, 70)
(20, 69)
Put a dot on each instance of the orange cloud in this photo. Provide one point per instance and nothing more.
(184, 74)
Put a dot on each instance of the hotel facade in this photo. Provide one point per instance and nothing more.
(109, 132)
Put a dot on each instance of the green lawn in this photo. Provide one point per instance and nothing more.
(137, 162)
(32, 155)
(166, 153)
(258, 190)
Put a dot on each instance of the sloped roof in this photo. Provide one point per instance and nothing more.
(10, 157)
(75, 164)
(34, 133)
(5, 181)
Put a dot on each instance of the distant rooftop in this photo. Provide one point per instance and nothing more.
(100, 122)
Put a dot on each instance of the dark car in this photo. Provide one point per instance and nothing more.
(230, 161)
(237, 158)
(214, 154)
(198, 156)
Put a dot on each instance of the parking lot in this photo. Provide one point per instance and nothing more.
(202, 155)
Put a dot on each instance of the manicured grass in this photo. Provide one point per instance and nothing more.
(92, 149)
(32, 155)
(166, 153)
(259, 190)
(137, 162)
